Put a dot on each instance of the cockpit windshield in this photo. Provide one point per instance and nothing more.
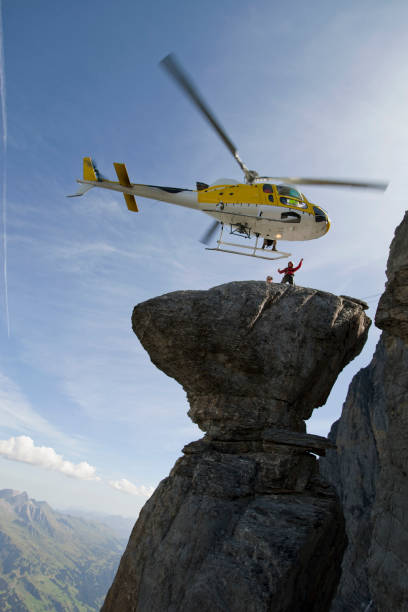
(286, 190)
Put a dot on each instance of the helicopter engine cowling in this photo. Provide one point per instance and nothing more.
(225, 181)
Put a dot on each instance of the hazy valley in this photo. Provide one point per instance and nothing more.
(51, 560)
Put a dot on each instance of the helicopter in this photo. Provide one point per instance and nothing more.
(271, 208)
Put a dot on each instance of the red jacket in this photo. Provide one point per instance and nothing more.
(292, 270)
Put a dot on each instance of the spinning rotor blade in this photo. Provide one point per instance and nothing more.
(328, 182)
(206, 238)
(174, 69)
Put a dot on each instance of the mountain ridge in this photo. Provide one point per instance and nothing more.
(50, 560)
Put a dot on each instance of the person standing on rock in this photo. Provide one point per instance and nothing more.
(289, 272)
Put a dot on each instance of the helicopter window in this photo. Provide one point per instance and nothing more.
(298, 204)
(285, 190)
(291, 202)
(320, 215)
(267, 188)
(270, 198)
(292, 216)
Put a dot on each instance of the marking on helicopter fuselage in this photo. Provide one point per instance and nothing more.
(254, 218)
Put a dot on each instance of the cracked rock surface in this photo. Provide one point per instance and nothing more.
(243, 522)
(369, 468)
(249, 360)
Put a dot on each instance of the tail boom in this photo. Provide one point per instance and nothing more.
(92, 178)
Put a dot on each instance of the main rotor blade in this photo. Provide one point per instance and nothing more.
(174, 69)
(328, 182)
(206, 238)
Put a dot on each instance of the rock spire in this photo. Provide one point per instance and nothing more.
(369, 469)
(243, 522)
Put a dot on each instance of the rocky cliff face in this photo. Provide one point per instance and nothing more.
(369, 468)
(243, 522)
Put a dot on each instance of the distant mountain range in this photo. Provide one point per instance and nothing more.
(50, 561)
(121, 525)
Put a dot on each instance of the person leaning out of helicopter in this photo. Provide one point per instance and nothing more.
(289, 272)
(269, 243)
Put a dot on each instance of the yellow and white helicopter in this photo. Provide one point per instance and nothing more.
(261, 207)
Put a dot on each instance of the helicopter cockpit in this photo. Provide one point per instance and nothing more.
(290, 196)
(287, 190)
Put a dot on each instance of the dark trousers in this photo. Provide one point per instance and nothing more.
(288, 278)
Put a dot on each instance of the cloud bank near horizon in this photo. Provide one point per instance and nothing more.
(22, 448)
(128, 487)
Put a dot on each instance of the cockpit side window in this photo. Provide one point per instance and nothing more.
(292, 202)
(320, 215)
(267, 188)
(286, 190)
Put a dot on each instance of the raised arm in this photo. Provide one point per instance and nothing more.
(299, 266)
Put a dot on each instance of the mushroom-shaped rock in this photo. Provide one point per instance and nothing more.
(250, 357)
(243, 523)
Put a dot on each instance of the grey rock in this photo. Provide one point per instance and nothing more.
(353, 470)
(388, 561)
(245, 359)
(369, 468)
(392, 312)
(212, 539)
(243, 522)
(356, 300)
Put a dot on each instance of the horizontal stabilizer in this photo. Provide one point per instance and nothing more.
(124, 180)
(131, 202)
(83, 189)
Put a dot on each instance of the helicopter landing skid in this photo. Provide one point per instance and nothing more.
(280, 255)
(254, 249)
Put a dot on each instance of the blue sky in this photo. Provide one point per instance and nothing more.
(317, 89)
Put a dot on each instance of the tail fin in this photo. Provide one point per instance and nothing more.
(124, 180)
(89, 170)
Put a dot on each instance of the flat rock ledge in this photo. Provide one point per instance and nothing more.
(243, 523)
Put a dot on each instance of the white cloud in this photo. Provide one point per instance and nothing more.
(22, 448)
(128, 487)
